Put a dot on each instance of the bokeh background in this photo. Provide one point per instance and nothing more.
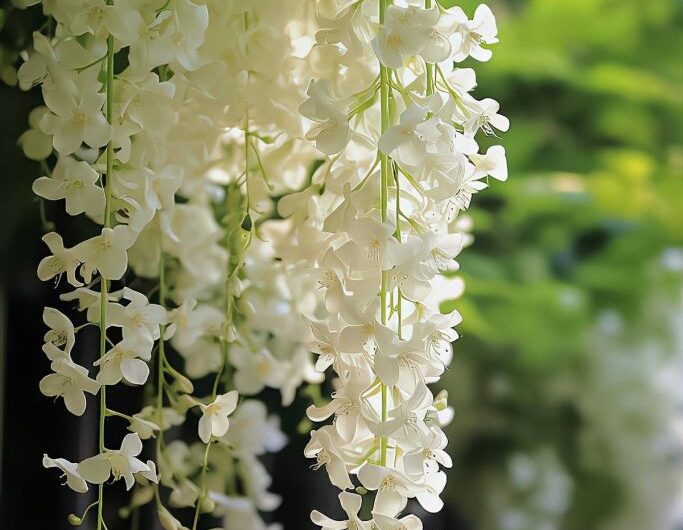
(568, 377)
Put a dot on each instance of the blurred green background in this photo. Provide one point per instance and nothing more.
(568, 378)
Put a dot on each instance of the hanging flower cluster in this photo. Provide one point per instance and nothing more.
(173, 126)
(375, 229)
(245, 217)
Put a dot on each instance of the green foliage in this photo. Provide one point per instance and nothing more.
(594, 90)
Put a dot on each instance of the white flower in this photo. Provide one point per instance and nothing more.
(106, 253)
(138, 319)
(175, 35)
(326, 345)
(370, 236)
(77, 182)
(324, 447)
(403, 141)
(427, 459)
(364, 331)
(89, 301)
(347, 406)
(35, 143)
(393, 488)
(405, 423)
(256, 369)
(240, 512)
(351, 504)
(350, 27)
(60, 338)
(214, 420)
(62, 260)
(437, 335)
(253, 432)
(126, 360)
(410, 31)
(493, 163)
(257, 484)
(463, 80)
(482, 115)
(332, 132)
(117, 463)
(99, 19)
(142, 421)
(409, 522)
(471, 34)
(79, 118)
(168, 522)
(147, 102)
(69, 471)
(69, 381)
(143, 427)
(404, 259)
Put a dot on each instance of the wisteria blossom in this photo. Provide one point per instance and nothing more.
(174, 127)
(407, 169)
(270, 192)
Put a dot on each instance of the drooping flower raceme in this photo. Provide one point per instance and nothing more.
(270, 183)
(174, 126)
(383, 220)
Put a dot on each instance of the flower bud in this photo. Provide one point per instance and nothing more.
(185, 402)
(208, 505)
(74, 520)
(183, 384)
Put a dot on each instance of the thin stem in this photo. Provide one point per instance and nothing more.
(261, 167)
(109, 90)
(452, 92)
(429, 69)
(112, 412)
(202, 494)
(96, 61)
(246, 158)
(161, 361)
(397, 235)
(385, 79)
(46, 225)
(234, 263)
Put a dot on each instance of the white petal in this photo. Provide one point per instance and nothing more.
(135, 371)
(96, 469)
(131, 445)
(228, 401)
(219, 425)
(75, 401)
(204, 428)
(325, 522)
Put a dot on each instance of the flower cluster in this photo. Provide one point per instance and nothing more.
(173, 125)
(263, 181)
(376, 228)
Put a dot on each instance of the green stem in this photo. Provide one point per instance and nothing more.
(397, 235)
(109, 89)
(246, 158)
(46, 225)
(385, 79)
(429, 70)
(234, 263)
(202, 494)
(161, 361)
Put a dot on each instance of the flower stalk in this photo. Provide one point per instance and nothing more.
(104, 284)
